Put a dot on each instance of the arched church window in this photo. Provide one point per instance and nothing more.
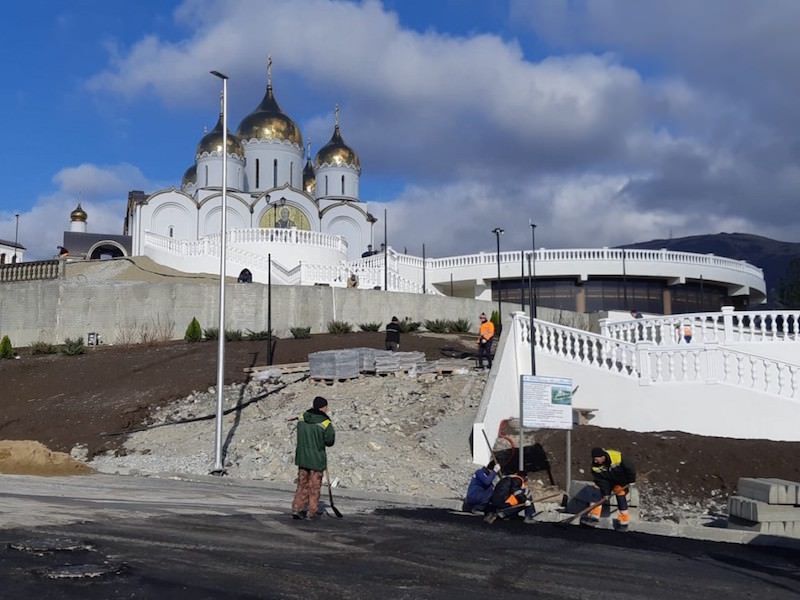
(258, 173)
(3, 258)
(206, 175)
(275, 173)
(291, 173)
(326, 185)
(171, 231)
(342, 185)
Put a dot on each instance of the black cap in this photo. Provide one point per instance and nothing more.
(319, 402)
(596, 452)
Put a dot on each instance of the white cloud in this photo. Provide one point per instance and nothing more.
(102, 192)
(670, 124)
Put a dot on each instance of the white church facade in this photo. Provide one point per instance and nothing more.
(279, 201)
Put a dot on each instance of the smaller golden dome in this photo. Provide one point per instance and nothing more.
(309, 178)
(337, 153)
(190, 176)
(212, 142)
(78, 214)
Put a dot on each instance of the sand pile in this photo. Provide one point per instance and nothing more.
(25, 457)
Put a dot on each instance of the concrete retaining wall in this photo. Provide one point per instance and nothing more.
(124, 311)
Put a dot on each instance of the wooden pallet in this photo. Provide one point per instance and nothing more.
(300, 367)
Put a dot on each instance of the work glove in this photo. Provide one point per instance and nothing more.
(497, 469)
(528, 503)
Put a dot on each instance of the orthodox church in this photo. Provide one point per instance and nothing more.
(279, 201)
(294, 220)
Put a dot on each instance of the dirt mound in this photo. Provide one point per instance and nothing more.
(26, 457)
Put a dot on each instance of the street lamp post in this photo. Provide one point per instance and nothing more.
(219, 469)
(498, 232)
(532, 294)
(16, 238)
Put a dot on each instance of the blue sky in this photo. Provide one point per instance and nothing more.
(605, 122)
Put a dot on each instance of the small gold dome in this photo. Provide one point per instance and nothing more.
(268, 122)
(78, 214)
(190, 176)
(336, 152)
(309, 178)
(212, 142)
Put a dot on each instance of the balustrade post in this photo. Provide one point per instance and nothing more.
(727, 322)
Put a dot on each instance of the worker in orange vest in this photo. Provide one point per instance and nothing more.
(485, 339)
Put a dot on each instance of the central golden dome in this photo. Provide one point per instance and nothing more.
(268, 122)
(212, 142)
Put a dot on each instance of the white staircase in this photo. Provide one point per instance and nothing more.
(738, 376)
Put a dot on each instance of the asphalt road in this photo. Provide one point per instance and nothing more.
(125, 537)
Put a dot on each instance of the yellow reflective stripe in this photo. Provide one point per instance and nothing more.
(325, 423)
(615, 456)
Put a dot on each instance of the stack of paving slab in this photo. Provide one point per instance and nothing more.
(583, 493)
(766, 505)
(392, 362)
(349, 363)
(334, 364)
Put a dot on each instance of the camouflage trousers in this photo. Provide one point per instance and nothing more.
(306, 497)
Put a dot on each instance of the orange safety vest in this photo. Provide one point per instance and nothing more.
(486, 330)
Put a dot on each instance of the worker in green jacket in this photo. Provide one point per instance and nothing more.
(315, 432)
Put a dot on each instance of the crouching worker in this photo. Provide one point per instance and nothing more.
(611, 474)
(510, 497)
(480, 489)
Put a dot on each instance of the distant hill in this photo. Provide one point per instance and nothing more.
(771, 255)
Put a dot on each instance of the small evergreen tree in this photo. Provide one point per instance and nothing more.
(6, 349)
(194, 333)
(496, 321)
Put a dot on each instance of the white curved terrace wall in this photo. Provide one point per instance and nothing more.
(582, 263)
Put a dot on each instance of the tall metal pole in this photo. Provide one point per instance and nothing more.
(624, 281)
(532, 273)
(497, 231)
(219, 469)
(385, 254)
(423, 268)
(16, 238)
(522, 281)
(269, 308)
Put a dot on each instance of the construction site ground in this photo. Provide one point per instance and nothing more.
(64, 401)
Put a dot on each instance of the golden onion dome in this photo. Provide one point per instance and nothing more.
(336, 152)
(309, 178)
(78, 214)
(269, 122)
(212, 142)
(190, 176)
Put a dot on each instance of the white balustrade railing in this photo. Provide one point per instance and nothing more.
(245, 236)
(712, 364)
(581, 346)
(672, 363)
(629, 255)
(725, 327)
